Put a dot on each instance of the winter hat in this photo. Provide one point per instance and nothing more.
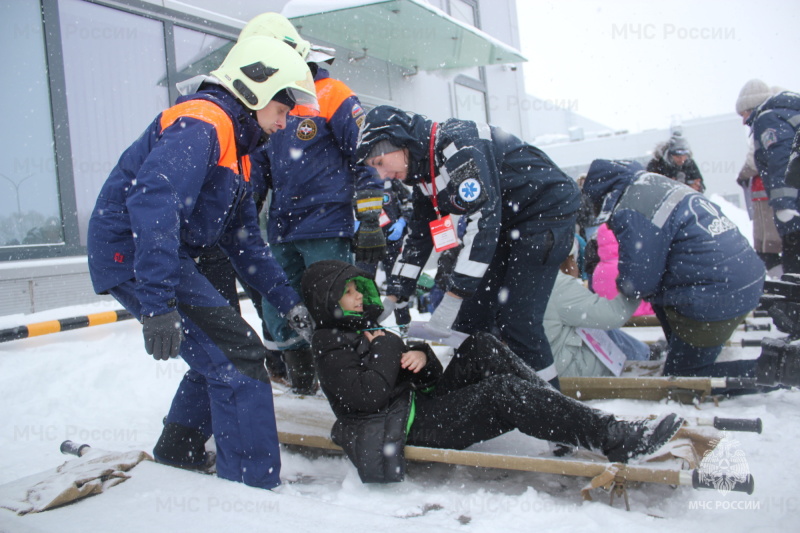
(284, 97)
(753, 94)
(678, 145)
(384, 146)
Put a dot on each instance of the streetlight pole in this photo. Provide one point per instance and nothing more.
(16, 188)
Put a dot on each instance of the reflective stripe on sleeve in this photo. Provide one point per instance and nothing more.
(406, 270)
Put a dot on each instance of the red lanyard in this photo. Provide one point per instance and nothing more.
(433, 175)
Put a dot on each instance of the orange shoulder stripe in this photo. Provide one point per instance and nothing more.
(210, 113)
(330, 95)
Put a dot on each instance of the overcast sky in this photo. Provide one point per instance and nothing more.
(640, 64)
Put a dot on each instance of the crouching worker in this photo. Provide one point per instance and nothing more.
(181, 189)
(678, 251)
(385, 393)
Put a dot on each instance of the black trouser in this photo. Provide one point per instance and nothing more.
(791, 253)
(487, 390)
(217, 268)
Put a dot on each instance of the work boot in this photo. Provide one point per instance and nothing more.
(183, 447)
(778, 364)
(300, 368)
(628, 439)
(277, 368)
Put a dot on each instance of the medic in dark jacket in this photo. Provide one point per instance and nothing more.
(310, 167)
(678, 251)
(521, 210)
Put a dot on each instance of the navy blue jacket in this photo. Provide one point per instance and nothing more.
(676, 248)
(504, 186)
(309, 167)
(774, 125)
(183, 186)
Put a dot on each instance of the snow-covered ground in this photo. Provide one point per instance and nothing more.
(97, 385)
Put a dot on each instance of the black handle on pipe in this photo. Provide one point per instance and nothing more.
(751, 343)
(748, 485)
(741, 383)
(738, 424)
(71, 448)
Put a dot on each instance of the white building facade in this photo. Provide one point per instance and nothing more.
(85, 77)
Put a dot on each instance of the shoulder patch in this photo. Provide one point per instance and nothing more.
(769, 137)
(717, 224)
(469, 190)
(306, 130)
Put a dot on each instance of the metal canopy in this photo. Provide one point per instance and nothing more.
(409, 33)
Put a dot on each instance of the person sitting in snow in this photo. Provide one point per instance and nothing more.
(385, 393)
(571, 307)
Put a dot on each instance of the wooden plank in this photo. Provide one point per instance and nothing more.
(543, 465)
(634, 388)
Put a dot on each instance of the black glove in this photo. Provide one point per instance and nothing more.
(591, 257)
(402, 314)
(369, 243)
(300, 321)
(162, 335)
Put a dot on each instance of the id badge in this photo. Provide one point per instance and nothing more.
(384, 218)
(443, 232)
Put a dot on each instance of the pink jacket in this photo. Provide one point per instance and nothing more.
(604, 279)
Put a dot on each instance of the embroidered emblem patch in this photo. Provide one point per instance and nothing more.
(469, 190)
(307, 130)
(769, 137)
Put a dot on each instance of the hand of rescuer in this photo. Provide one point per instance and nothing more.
(396, 229)
(299, 319)
(162, 335)
(785, 215)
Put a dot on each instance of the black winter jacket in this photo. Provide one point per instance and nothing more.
(370, 394)
(686, 174)
(502, 184)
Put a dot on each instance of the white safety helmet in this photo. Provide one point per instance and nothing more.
(320, 54)
(278, 27)
(257, 68)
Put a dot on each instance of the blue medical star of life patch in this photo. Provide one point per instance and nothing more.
(469, 190)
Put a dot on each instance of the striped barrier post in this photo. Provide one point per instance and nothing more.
(64, 324)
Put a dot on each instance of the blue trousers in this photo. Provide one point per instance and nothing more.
(227, 392)
(295, 257)
(512, 297)
(632, 347)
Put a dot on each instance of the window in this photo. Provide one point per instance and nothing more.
(470, 103)
(116, 63)
(463, 11)
(469, 88)
(198, 53)
(100, 74)
(30, 212)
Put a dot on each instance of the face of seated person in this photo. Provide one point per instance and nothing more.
(352, 300)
